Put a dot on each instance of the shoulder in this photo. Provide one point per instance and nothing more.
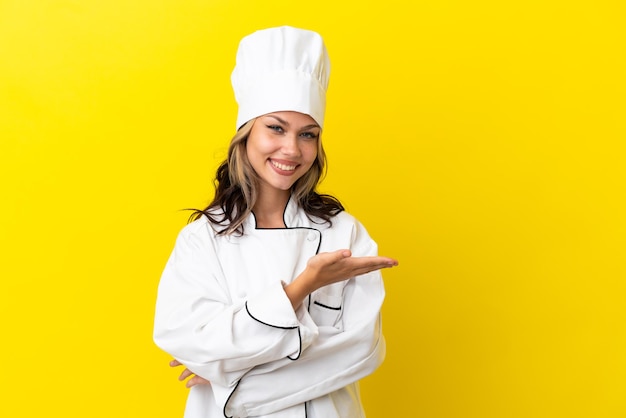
(210, 219)
(343, 220)
(200, 232)
(199, 226)
(345, 217)
(346, 224)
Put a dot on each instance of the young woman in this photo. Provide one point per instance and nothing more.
(271, 298)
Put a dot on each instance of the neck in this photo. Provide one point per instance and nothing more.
(270, 207)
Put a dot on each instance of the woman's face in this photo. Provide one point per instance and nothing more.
(281, 148)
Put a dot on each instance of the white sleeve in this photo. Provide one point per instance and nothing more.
(341, 355)
(198, 324)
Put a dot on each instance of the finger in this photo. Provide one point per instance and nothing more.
(372, 261)
(357, 271)
(340, 254)
(175, 363)
(323, 260)
(185, 374)
(196, 380)
(367, 263)
(391, 261)
(384, 260)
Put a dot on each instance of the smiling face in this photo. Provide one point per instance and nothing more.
(282, 147)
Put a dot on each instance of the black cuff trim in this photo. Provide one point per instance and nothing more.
(299, 347)
(265, 323)
(275, 326)
(326, 306)
(227, 400)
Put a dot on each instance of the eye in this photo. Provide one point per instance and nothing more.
(309, 135)
(276, 128)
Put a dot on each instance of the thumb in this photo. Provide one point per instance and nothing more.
(339, 254)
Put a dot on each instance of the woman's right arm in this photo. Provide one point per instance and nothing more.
(213, 336)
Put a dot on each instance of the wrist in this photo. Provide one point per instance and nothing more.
(299, 289)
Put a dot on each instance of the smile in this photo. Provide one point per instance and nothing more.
(283, 167)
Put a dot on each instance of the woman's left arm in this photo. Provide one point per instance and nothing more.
(341, 355)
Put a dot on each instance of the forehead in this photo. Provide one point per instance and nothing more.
(292, 118)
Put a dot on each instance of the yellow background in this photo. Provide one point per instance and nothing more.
(481, 143)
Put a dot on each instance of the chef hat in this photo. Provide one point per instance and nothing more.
(281, 69)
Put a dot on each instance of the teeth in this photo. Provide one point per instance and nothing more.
(283, 166)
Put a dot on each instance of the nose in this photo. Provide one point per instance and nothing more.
(290, 145)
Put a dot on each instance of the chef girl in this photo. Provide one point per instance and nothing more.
(271, 297)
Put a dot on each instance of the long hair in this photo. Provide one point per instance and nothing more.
(237, 188)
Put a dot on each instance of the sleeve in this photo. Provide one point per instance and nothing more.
(198, 324)
(341, 355)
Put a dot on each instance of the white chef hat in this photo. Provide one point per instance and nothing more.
(281, 69)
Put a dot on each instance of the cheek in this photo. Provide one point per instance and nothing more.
(254, 150)
(261, 146)
(310, 151)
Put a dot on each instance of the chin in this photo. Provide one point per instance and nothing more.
(284, 188)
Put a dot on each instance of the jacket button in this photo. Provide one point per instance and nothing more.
(312, 236)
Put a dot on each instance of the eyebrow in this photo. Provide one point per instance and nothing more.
(304, 128)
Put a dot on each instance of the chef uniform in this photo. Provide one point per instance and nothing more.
(221, 308)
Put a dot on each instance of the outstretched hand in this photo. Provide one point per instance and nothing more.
(195, 379)
(327, 268)
(336, 266)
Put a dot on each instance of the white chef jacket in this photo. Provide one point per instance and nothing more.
(222, 312)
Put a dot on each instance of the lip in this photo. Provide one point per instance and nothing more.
(284, 163)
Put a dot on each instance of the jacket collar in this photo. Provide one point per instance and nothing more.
(291, 214)
(293, 217)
